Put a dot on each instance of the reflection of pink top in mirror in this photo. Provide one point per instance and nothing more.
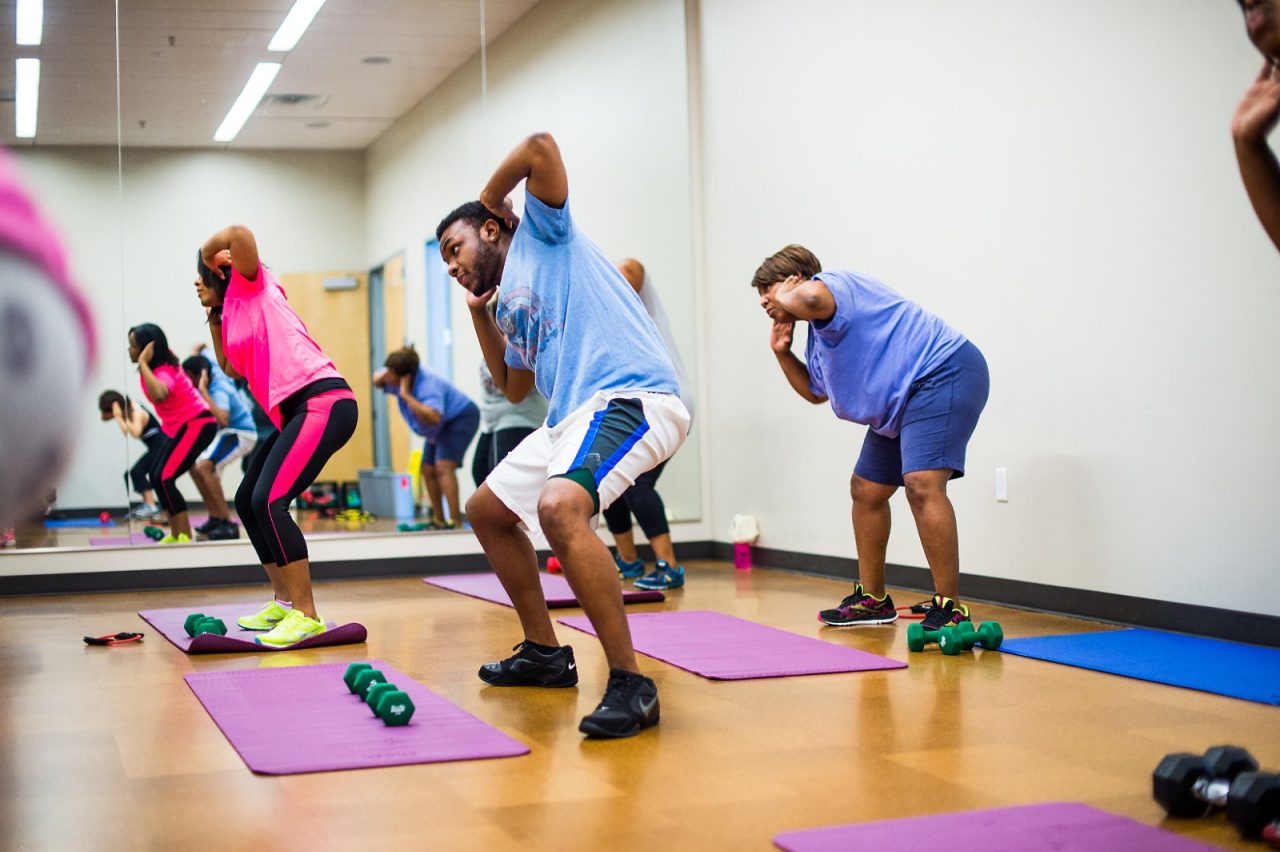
(265, 341)
(183, 402)
(28, 236)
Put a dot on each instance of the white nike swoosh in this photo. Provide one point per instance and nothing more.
(572, 666)
(647, 708)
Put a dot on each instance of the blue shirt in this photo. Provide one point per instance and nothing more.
(571, 317)
(876, 344)
(434, 391)
(226, 396)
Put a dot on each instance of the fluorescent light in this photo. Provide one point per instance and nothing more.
(259, 82)
(26, 95)
(295, 24)
(30, 21)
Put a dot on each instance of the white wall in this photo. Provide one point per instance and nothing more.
(1057, 181)
(307, 212)
(608, 80)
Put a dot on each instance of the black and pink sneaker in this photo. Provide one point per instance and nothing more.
(860, 609)
(944, 612)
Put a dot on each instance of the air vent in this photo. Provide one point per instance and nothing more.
(287, 101)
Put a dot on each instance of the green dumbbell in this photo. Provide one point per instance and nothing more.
(367, 679)
(918, 637)
(349, 678)
(377, 691)
(989, 636)
(394, 708)
(154, 533)
(189, 624)
(210, 625)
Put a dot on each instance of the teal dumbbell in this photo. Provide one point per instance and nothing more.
(394, 707)
(918, 637)
(377, 691)
(353, 670)
(989, 635)
(366, 680)
(197, 623)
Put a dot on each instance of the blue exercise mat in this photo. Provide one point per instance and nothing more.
(1243, 671)
(53, 523)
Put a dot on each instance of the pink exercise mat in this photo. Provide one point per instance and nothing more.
(1051, 827)
(555, 589)
(283, 721)
(170, 624)
(721, 647)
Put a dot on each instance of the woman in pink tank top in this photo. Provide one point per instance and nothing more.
(259, 337)
(186, 422)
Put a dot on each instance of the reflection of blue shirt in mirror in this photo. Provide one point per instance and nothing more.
(867, 355)
(571, 317)
(226, 396)
(434, 391)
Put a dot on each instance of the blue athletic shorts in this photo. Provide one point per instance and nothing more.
(455, 437)
(941, 414)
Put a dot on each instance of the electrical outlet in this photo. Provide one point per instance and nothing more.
(1002, 485)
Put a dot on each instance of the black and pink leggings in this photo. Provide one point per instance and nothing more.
(316, 422)
(176, 457)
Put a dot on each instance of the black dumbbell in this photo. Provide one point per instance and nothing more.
(1253, 802)
(1189, 785)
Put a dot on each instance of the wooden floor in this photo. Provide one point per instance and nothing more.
(107, 748)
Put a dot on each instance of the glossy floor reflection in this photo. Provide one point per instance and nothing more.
(106, 748)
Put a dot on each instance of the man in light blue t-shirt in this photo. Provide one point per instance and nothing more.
(567, 322)
(918, 384)
(236, 437)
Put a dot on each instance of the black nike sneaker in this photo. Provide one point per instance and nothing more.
(630, 704)
(533, 665)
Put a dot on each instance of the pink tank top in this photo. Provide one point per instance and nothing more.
(265, 341)
(183, 402)
(25, 233)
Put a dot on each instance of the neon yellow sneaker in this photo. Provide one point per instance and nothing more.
(293, 629)
(180, 538)
(264, 619)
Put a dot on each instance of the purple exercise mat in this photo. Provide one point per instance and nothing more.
(284, 721)
(721, 647)
(169, 623)
(1052, 827)
(555, 589)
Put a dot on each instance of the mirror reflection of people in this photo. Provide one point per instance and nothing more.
(642, 499)
(139, 422)
(184, 418)
(1257, 114)
(258, 336)
(567, 322)
(918, 384)
(237, 436)
(443, 416)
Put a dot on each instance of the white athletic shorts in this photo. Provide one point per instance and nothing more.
(616, 435)
(229, 445)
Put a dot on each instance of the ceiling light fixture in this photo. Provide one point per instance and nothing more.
(30, 21)
(26, 95)
(259, 81)
(295, 24)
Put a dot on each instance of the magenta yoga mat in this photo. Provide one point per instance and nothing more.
(169, 623)
(120, 540)
(1051, 827)
(555, 589)
(722, 647)
(284, 721)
